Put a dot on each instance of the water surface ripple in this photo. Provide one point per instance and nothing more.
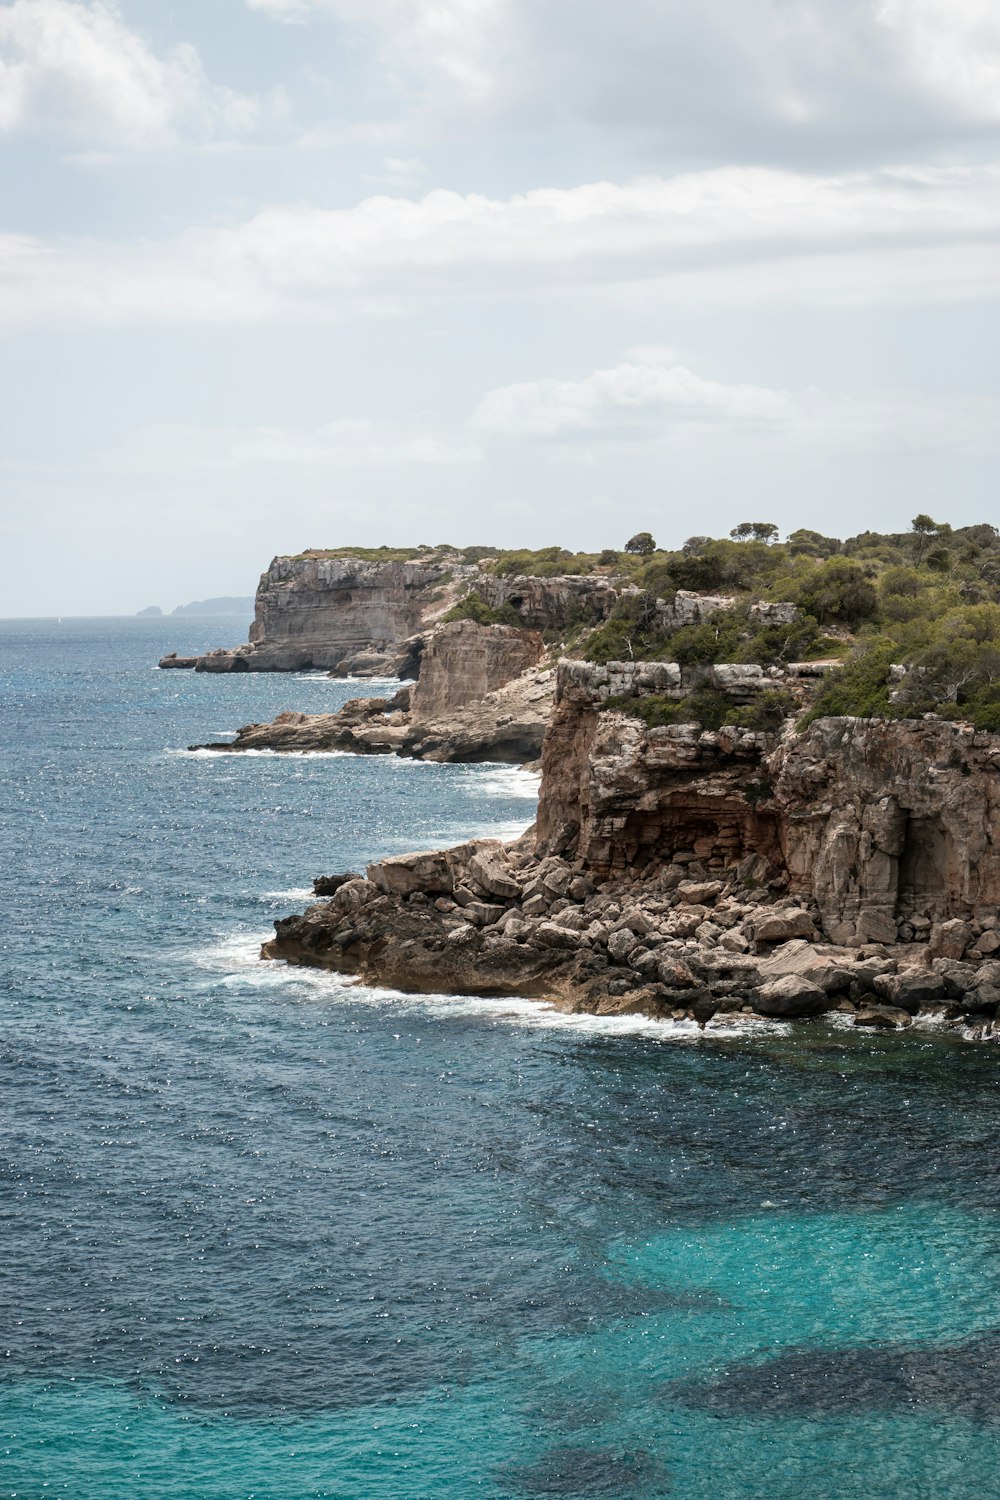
(267, 1234)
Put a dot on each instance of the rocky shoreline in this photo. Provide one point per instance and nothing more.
(677, 872)
(487, 918)
(483, 694)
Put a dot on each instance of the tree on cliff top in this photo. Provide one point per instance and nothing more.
(924, 529)
(642, 543)
(758, 531)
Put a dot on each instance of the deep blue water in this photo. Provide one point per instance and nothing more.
(268, 1235)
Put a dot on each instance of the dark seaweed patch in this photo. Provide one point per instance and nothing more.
(584, 1472)
(961, 1379)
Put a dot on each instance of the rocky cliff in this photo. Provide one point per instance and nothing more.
(341, 614)
(551, 603)
(880, 823)
(680, 872)
(464, 662)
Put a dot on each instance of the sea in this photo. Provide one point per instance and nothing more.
(266, 1234)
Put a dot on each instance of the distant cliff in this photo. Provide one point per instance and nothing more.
(357, 617)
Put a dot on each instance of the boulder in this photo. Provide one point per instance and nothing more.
(402, 874)
(699, 892)
(675, 974)
(490, 870)
(482, 913)
(621, 943)
(551, 935)
(911, 989)
(949, 939)
(875, 926)
(790, 997)
(329, 885)
(984, 1000)
(885, 1017)
(780, 926)
(828, 967)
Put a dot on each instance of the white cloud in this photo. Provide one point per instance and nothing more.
(75, 70)
(952, 49)
(651, 403)
(622, 400)
(700, 239)
(458, 46)
(764, 80)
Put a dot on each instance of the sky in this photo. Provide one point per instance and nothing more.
(288, 273)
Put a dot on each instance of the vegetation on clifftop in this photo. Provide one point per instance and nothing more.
(926, 600)
(474, 607)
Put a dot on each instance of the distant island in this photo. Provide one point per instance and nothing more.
(210, 607)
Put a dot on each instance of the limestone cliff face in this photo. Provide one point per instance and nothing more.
(622, 797)
(882, 825)
(551, 603)
(321, 612)
(341, 615)
(463, 662)
(884, 822)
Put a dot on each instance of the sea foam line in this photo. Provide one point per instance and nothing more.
(224, 752)
(235, 961)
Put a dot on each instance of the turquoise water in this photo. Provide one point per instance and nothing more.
(269, 1235)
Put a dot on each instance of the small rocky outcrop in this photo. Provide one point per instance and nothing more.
(484, 694)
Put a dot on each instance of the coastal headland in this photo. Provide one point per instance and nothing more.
(714, 835)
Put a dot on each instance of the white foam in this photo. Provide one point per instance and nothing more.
(235, 960)
(382, 682)
(297, 893)
(506, 781)
(226, 751)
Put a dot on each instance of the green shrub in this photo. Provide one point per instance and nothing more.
(839, 591)
(710, 709)
(706, 707)
(768, 711)
(860, 688)
(474, 607)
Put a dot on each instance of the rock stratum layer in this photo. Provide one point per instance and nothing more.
(679, 872)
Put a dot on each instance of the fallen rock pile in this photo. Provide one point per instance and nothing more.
(489, 918)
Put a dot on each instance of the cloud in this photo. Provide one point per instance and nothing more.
(74, 70)
(757, 80)
(708, 238)
(629, 398)
(454, 47)
(665, 403)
